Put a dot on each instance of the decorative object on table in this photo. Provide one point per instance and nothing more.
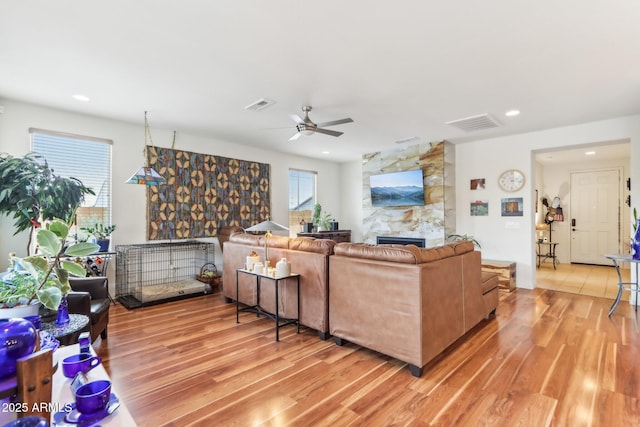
(102, 234)
(283, 268)
(75, 417)
(322, 220)
(48, 341)
(146, 175)
(267, 226)
(93, 396)
(511, 180)
(62, 317)
(82, 362)
(635, 239)
(84, 341)
(43, 277)
(32, 194)
(29, 421)
(258, 267)
(252, 258)
(17, 339)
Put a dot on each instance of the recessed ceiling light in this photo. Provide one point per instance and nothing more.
(326, 152)
(83, 98)
(512, 113)
(590, 153)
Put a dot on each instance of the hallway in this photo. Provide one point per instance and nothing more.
(594, 280)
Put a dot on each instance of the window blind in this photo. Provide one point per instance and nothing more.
(85, 158)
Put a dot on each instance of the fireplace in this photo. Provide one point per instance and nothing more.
(388, 240)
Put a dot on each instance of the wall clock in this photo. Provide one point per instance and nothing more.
(511, 180)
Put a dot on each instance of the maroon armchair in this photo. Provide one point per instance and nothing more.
(97, 289)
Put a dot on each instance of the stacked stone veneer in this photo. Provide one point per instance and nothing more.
(433, 221)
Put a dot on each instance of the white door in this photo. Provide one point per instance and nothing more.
(595, 220)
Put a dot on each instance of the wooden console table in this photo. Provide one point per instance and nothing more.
(506, 271)
(339, 235)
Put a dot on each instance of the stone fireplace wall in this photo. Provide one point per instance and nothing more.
(433, 221)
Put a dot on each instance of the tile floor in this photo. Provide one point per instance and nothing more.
(594, 280)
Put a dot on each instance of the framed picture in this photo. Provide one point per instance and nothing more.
(477, 184)
(479, 208)
(512, 206)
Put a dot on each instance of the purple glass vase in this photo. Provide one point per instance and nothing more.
(17, 339)
(635, 242)
(63, 312)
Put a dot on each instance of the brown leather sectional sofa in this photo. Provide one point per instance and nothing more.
(407, 302)
(308, 257)
(402, 301)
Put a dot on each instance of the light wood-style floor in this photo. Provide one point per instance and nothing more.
(547, 359)
(583, 279)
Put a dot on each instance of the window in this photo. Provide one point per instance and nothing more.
(302, 197)
(85, 158)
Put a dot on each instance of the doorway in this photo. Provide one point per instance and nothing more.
(557, 172)
(595, 215)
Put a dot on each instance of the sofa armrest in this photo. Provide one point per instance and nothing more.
(98, 287)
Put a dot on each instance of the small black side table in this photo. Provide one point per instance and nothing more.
(69, 333)
(550, 253)
(280, 321)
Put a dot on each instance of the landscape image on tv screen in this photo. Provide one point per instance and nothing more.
(397, 189)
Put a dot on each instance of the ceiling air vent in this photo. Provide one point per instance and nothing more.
(472, 124)
(260, 104)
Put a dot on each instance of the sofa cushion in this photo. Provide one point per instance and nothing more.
(461, 246)
(245, 239)
(436, 253)
(489, 281)
(321, 246)
(406, 254)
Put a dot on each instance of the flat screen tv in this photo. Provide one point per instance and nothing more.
(404, 188)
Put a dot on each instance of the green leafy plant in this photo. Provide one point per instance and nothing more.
(45, 276)
(99, 231)
(32, 194)
(320, 218)
(457, 237)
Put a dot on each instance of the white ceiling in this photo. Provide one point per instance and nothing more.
(400, 69)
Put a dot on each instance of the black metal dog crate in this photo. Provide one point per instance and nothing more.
(152, 273)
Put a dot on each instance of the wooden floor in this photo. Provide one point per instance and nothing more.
(583, 279)
(548, 359)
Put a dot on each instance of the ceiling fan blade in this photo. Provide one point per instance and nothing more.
(335, 122)
(296, 136)
(329, 132)
(296, 119)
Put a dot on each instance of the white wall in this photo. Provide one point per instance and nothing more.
(129, 201)
(509, 238)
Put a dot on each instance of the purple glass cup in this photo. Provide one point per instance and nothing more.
(93, 397)
(82, 362)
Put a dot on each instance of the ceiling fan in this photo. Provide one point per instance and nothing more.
(305, 126)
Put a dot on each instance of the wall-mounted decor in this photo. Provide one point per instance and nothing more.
(512, 206)
(478, 184)
(479, 208)
(511, 180)
(204, 193)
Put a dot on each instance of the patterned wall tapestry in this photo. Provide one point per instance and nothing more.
(204, 193)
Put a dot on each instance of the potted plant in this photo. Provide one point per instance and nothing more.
(31, 193)
(457, 237)
(102, 234)
(322, 220)
(42, 278)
